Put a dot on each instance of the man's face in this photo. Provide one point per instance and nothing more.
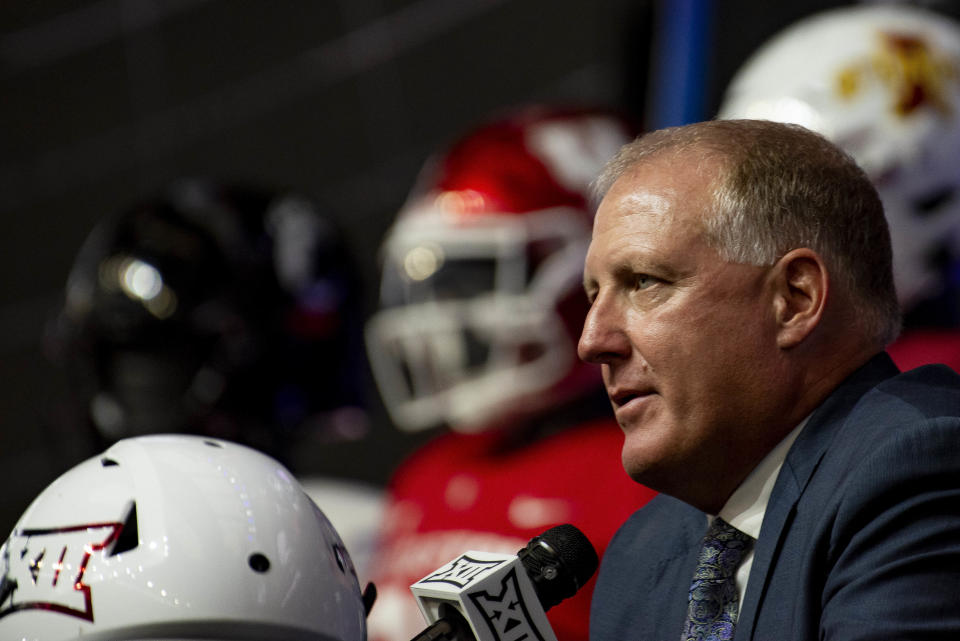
(685, 339)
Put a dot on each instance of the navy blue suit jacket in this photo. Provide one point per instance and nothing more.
(860, 540)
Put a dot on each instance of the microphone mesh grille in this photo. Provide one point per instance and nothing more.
(574, 549)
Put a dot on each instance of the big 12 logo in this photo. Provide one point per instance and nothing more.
(44, 568)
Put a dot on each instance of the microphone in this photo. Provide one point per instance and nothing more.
(482, 596)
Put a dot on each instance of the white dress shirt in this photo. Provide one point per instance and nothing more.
(745, 508)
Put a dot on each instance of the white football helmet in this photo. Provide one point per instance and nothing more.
(481, 294)
(177, 537)
(883, 82)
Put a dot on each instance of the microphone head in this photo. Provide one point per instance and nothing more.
(559, 562)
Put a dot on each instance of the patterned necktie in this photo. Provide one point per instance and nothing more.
(712, 613)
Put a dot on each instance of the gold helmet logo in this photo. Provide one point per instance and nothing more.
(915, 74)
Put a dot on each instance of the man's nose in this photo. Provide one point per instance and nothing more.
(603, 339)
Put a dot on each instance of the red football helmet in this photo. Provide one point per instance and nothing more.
(481, 294)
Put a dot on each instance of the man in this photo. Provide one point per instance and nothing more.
(741, 295)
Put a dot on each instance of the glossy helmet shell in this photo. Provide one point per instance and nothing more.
(177, 537)
(212, 308)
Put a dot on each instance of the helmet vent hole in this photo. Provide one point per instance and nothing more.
(933, 201)
(129, 537)
(259, 562)
(338, 555)
(213, 444)
(108, 462)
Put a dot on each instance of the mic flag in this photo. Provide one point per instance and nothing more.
(491, 592)
(483, 596)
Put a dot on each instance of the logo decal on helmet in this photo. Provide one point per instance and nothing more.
(916, 74)
(44, 568)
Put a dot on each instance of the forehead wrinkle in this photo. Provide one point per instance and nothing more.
(629, 249)
(639, 202)
(644, 189)
(646, 202)
(628, 200)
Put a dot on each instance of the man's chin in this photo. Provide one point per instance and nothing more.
(648, 465)
(638, 468)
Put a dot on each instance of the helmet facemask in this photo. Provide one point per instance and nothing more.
(469, 324)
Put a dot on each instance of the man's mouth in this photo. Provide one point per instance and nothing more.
(619, 398)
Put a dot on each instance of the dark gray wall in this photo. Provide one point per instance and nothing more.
(104, 101)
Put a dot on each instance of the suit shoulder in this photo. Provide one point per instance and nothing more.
(925, 392)
(908, 402)
(899, 441)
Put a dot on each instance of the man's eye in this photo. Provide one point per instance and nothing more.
(642, 281)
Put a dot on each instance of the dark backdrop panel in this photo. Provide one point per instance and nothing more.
(105, 101)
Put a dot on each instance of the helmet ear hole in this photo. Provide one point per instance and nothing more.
(259, 562)
(931, 202)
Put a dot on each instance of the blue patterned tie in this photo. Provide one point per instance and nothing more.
(712, 613)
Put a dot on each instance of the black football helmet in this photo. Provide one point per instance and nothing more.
(215, 309)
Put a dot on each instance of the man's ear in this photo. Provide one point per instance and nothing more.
(801, 285)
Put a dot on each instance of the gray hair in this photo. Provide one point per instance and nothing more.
(780, 187)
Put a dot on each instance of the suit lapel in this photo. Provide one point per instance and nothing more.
(801, 462)
(679, 575)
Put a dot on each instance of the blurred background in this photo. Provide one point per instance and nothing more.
(105, 102)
